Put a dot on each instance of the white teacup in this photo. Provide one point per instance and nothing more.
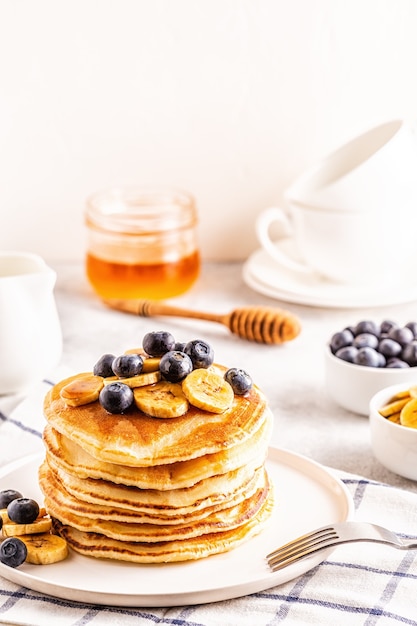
(30, 332)
(353, 217)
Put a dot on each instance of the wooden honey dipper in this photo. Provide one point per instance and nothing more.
(260, 324)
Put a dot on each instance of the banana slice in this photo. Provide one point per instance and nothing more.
(208, 391)
(40, 525)
(83, 390)
(394, 406)
(408, 416)
(45, 548)
(151, 364)
(141, 380)
(164, 400)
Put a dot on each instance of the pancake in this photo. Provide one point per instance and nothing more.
(224, 519)
(99, 546)
(138, 440)
(61, 503)
(71, 458)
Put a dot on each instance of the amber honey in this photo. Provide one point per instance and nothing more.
(154, 281)
(141, 243)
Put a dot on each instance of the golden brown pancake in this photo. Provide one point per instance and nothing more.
(138, 440)
(74, 460)
(100, 546)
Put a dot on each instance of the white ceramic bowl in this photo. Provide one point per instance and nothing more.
(393, 445)
(352, 386)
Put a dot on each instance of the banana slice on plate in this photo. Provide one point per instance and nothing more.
(40, 525)
(208, 390)
(45, 548)
(163, 399)
(141, 380)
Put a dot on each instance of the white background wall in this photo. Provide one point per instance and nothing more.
(230, 99)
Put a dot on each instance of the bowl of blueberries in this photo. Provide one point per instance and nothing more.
(363, 358)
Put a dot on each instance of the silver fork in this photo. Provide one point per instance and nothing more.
(333, 535)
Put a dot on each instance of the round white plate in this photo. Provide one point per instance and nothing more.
(307, 496)
(267, 277)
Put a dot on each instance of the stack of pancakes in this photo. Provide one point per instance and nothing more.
(138, 488)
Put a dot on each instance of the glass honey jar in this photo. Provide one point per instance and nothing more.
(141, 243)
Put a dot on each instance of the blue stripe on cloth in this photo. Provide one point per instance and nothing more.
(20, 425)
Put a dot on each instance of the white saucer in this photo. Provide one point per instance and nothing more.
(267, 277)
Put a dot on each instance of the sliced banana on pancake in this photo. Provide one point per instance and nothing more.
(164, 399)
(141, 380)
(82, 390)
(208, 390)
(45, 548)
(40, 525)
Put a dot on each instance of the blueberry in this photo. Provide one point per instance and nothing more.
(397, 363)
(347, 353)
(367, 326)
(23, 510)
(387, 325)
(364, 340)
(402, 335)
(7, 495)
(413, 327)
(341, 339)
(389, 347)
(103, 367)
(179, 346)
(158, 342)
(409, 353)
(13, 552)
(200, 353)
(175, 366)
(368, 357)
(127, 365)
(239, 380)
(116, 397)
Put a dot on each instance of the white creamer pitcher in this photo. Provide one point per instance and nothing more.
(30, 331)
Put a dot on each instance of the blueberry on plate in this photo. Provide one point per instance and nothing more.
(116, 397)
(200, 353)
(157, 342)
(103, 367)
(239, 380)
(23, 510)
(175, 366)
(127, 365)
(7, 495)
(13, 552)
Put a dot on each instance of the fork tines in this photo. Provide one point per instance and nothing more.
(301, 547)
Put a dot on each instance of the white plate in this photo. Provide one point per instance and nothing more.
(307, 496)
(269, 278)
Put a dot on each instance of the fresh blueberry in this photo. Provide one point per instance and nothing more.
(116, 397)
(127, 365)
(364, 340)
(396, 363)
(402, 335)
(368, 357)
(239, 380)
(175, 366)
(367, 326)
(23, 510)
(413, 327)
(103, 367)
(389, 347)
(387, 325)
(157, 342)
(179, 346)
(200, 353)
(7, 495)
(347, 353)
(409, 353)
(341, 339)
(13, 552)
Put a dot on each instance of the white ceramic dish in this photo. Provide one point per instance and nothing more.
(267, 277)
(394, 446)
(352, 386)
(307, 496)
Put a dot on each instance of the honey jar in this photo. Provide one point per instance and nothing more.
(142, 243)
